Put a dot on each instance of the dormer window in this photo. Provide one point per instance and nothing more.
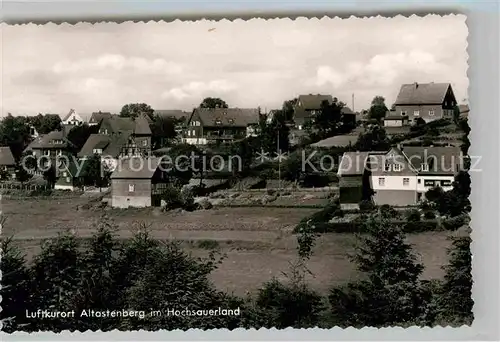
(218, 122)
(387, 166)
(397, 167)
(231, 121)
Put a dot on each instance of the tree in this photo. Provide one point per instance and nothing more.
(163, 131)
(328, 120)
(14, 132)
(56, 277)
(47, 123)
(15, 289)
(213, 102)
(288, 108)
(78, 135)
(374, 139)
(50, 176)
(133, 110)
(456, 297)
(95, 172)
(378, 108)
(392, 294)
(271, 133)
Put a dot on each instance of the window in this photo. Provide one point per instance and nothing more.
(424, 167)
(131, 188)
(416, 113)
(419, 181)
(68, 179)
(396, 167)
(47, 153)
(381, 181)
(106, 131)
(231, 121)
(403, 113)
(194, 132)
(189, 133)
(387, 166)
(218, 122)
(65, 174)
(406, 181)
(144, 143)
(431, 113)
(300, 127)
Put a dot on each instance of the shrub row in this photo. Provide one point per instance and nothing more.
(259, 205)
(358, 226)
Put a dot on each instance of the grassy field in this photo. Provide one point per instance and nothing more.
(257, 242)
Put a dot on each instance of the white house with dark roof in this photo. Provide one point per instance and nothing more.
(207, 125)
(72, 119)
(429, 101)
(400, 176)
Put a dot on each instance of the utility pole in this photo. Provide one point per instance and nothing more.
(279, 161)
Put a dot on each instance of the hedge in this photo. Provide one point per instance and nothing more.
(259, 205)
(358, 226)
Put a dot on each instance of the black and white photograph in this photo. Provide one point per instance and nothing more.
(236, 174)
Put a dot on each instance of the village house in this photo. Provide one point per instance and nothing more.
(178, 115)
(52, 144)
(67, 177)
(97, 117)
(399, 177)
(72, 119)
(138, 182)
(307, 106)
(7, 163)
(119, 137)
(429, 101)
(392, 119)
(220, 125)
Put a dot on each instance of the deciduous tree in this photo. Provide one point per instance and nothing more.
(213, 102)
(133, 110)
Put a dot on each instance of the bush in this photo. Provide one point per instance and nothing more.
(455, 223)
(388, 211)
(322, 216)
(366, 205)
(413, 215)
(172, 198)
(429, 215)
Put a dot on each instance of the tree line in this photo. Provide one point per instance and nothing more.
(143, 273)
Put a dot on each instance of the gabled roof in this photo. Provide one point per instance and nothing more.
(313, 101)
(347, 110)
(98, 116)
(441, 160)
(136, 168)
(71, 113)
(352, 163)
(419, 94)
(6, 157)
(48, 141)
(119, 124)
(228, 117)
(111, 145)
(141, 126)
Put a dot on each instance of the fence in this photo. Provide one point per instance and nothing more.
(28, 187)
(287, 189)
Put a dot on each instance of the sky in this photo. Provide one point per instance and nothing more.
(255, 63)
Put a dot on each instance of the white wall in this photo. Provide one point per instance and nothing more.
(196, 141)
(63, 187)
(422, 188)
(393, 183)
(393, 123)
